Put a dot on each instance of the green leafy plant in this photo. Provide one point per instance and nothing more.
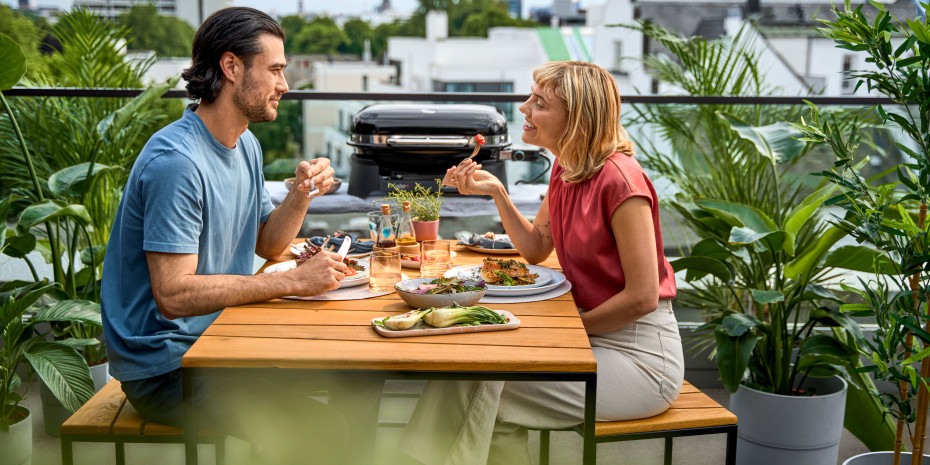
(424, 203)
(762, 258)
(889, 217)
(59, 365)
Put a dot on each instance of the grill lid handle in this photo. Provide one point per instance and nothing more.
(451, 141)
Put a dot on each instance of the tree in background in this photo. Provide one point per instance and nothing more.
(357, 31)
(320, 35)
(283, 137)
(471, 18)
(29, 32)
(168, 36)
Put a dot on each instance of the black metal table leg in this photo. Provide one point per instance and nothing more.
(731, 445)
(668, 450)
(544, 447)
(190, 420)
(590, 401)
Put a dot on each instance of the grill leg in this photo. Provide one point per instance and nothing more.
(668, 450)
(544, 447)
(67, 454)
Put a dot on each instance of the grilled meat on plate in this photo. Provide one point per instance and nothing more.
(502, 272)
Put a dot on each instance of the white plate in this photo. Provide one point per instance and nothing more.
(475, 248)
(557, 279)
(472, 272)
(422, 329)
(357, 280)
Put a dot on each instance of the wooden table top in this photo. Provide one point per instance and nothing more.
(338, 335)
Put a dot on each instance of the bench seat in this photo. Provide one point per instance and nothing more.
(693, 413)
(108, 417)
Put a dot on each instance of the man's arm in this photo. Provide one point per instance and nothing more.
(284, 223)
(180, 292)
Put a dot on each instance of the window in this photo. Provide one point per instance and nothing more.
(848, 85)
(618, 55)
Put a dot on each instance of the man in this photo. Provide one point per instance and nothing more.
(193, 214)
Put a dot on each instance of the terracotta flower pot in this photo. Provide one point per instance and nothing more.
(426, 230)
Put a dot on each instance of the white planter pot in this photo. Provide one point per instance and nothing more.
(16, 445)
(882, 458)
(54, 414)
(796, 430)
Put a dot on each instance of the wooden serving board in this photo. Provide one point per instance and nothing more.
(425, 330)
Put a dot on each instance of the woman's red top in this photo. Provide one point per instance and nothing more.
(581, 230)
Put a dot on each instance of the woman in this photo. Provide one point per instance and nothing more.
(601, 215)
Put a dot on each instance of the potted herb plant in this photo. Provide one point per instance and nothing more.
(758, 269)
(890, 218)
(425, 204)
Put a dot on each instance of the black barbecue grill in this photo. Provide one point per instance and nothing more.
(406, 144)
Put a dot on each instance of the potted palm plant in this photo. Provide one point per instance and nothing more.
(890, 218)
(760, 265)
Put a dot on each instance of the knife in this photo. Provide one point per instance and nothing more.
(344, 248)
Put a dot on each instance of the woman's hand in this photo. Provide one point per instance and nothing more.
(469, 178)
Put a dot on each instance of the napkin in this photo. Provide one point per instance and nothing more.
(479, 240)
(335, 242)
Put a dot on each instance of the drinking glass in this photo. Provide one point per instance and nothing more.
(384, 270)
(435, 258)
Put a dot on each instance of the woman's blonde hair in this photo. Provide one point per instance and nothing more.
(593, 132)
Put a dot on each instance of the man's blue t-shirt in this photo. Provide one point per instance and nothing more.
(186, 194)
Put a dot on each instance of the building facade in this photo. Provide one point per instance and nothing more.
(192, 11)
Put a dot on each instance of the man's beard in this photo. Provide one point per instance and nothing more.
(252, 105)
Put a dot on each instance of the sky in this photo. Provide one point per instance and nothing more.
(285, 7)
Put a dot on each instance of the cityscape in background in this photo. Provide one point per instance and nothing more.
(797, 60)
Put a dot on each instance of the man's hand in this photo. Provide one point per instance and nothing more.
(317, 170)
(321, 273)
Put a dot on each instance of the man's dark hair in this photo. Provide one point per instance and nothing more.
(234, 30)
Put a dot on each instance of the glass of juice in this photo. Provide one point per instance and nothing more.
(435, 258)
(384, 270)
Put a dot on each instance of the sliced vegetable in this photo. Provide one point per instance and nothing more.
(405, 321)
(458, 315)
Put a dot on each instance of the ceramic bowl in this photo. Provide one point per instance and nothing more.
(464, 299)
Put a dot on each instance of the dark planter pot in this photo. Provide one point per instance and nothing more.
(16, 444)
(795, 430)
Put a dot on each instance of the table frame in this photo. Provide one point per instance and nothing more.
(189, 373)
(589, 378)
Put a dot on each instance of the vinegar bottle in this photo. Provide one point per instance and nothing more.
(405, 232)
